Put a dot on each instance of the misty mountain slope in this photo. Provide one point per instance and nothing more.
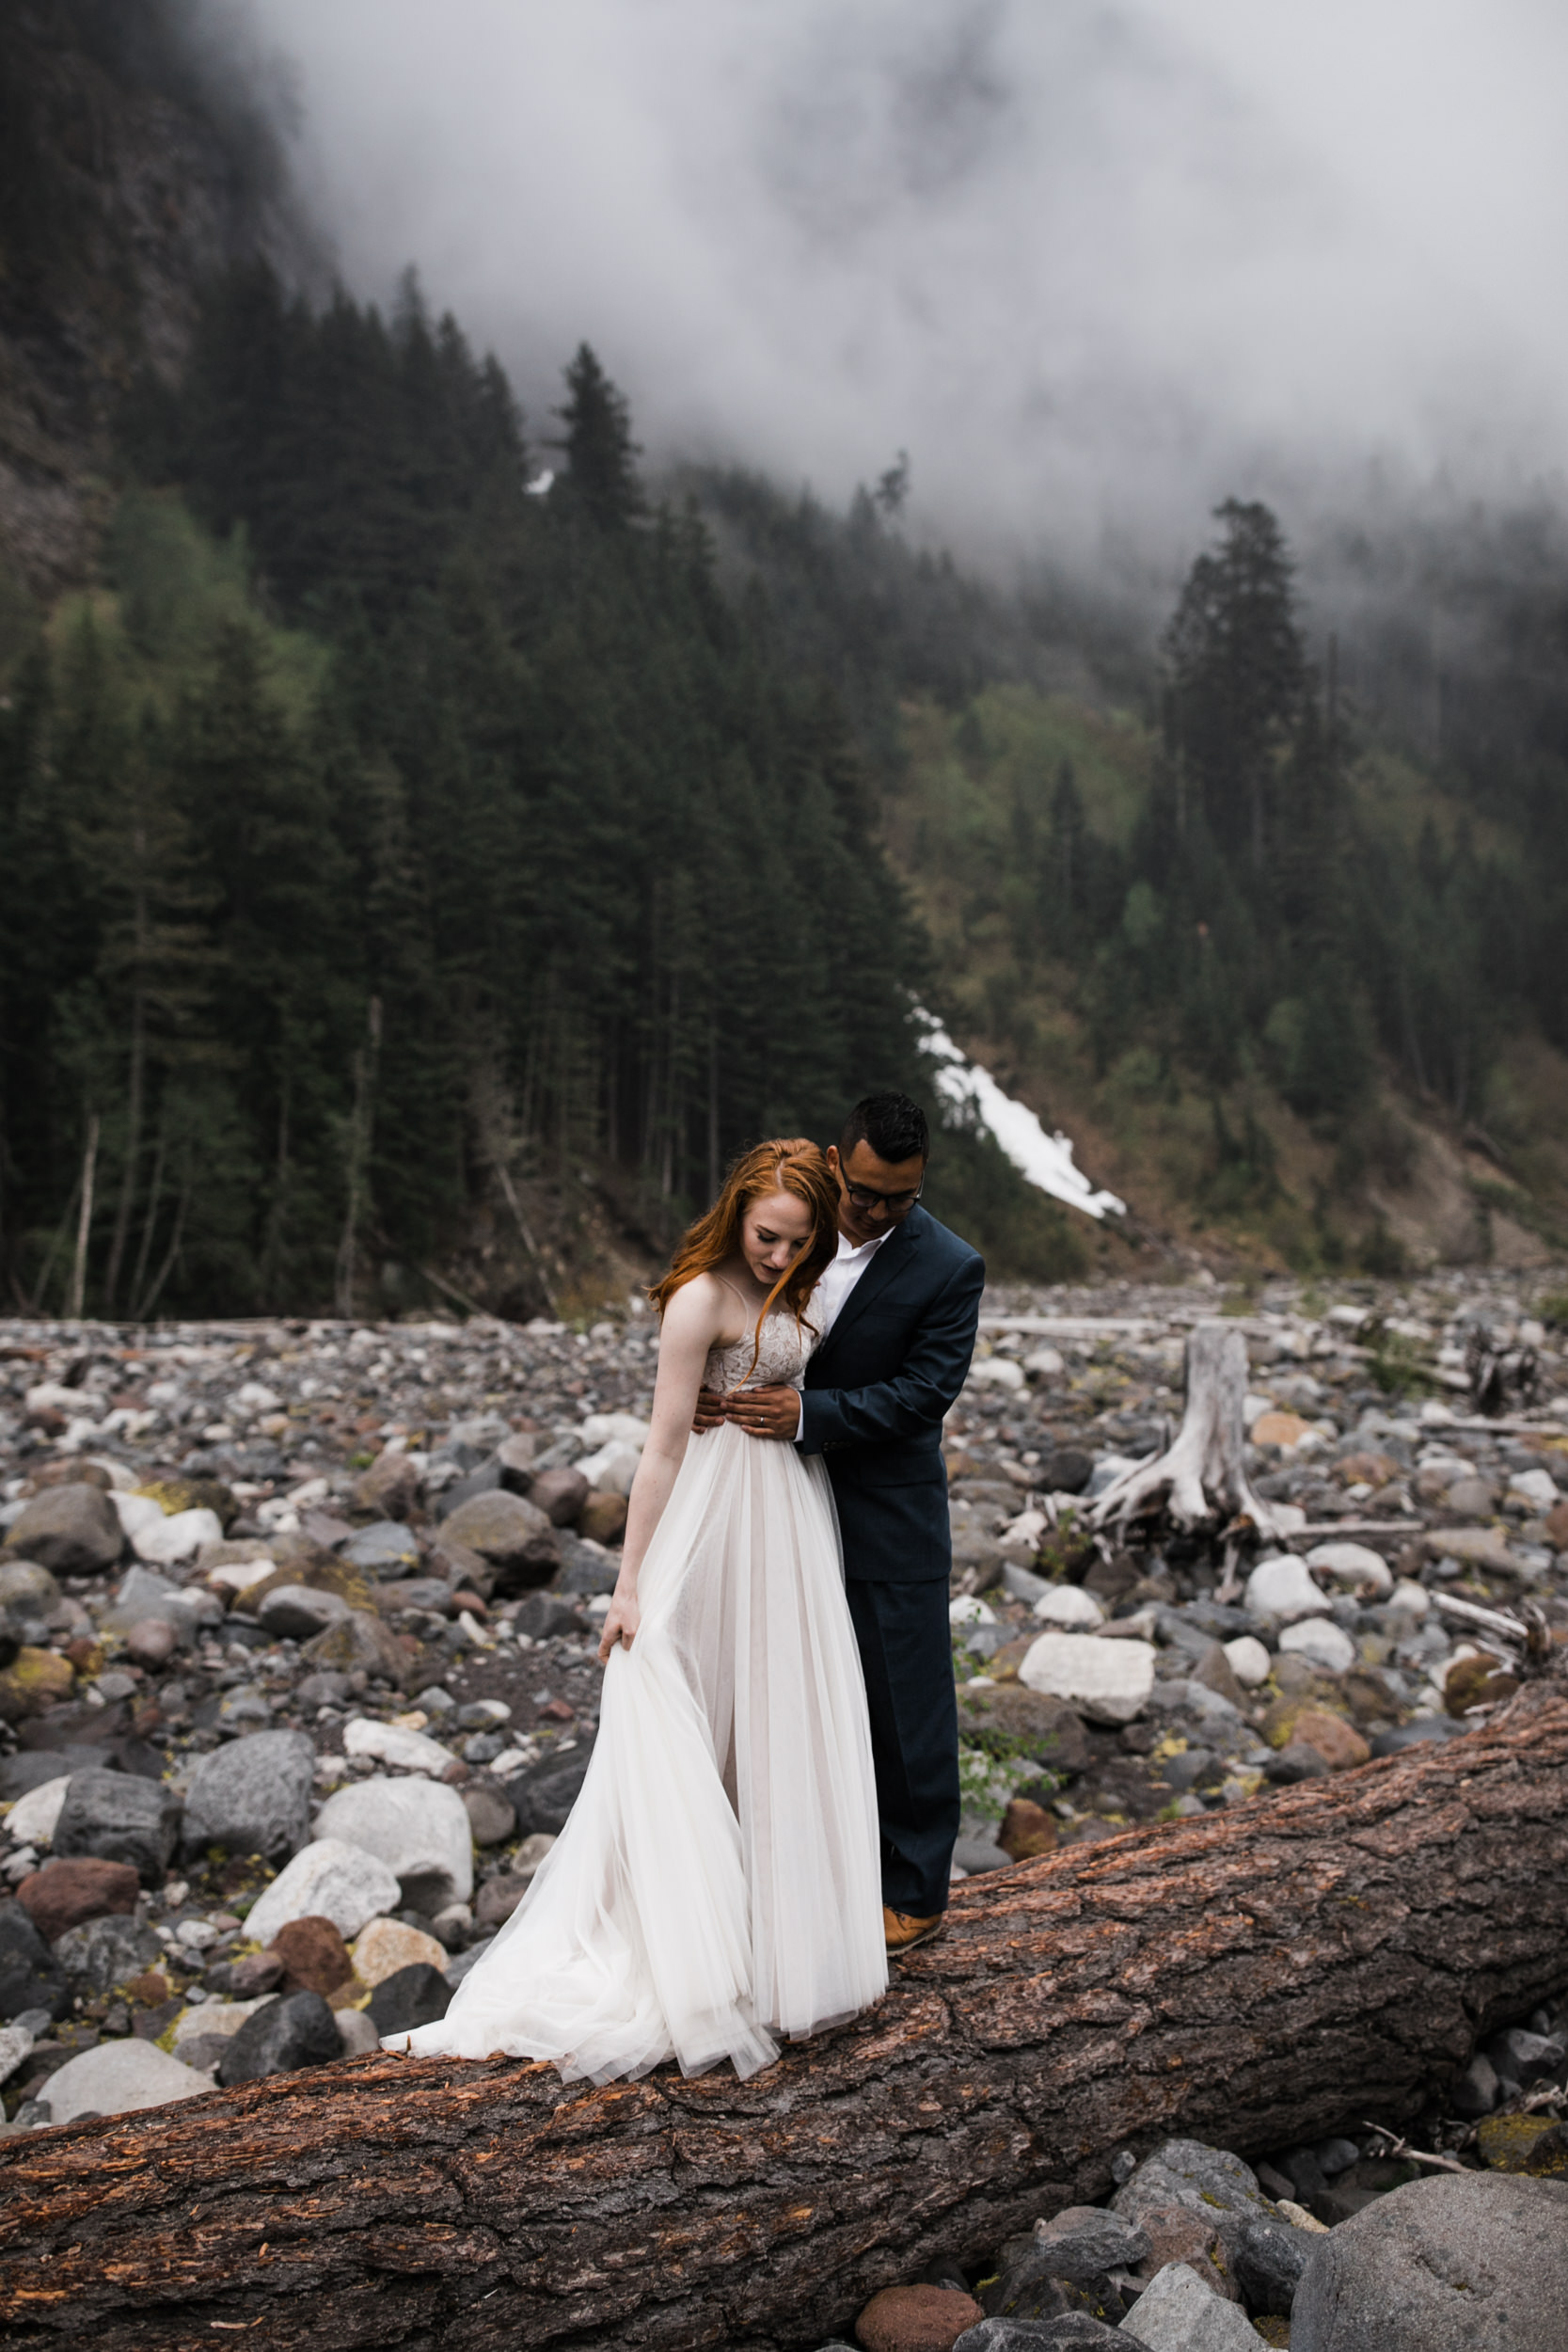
(132, 167)
(1016, 823)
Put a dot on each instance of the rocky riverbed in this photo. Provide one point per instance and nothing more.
(299, 1682)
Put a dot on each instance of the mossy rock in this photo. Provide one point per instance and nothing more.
(1532, 2144)
(193, 1494)
(33, 1682)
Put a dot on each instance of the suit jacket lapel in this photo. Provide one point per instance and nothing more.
(884, 1265)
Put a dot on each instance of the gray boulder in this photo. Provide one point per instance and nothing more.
(1473, 2261)
(1269, 2258)
(28, 1594)
(1075, 2331)
(252, 1797)
(1177, 2313)
(1086, 2242)
(72, 1531)
(30, 1977)
(411, 1996)
(544, 1796)
(503, 1528)
(298, 1613)
(586, 1568)
(31, 1767)
(102, 1954)
(117, 2078)
(119, 1817)
(280, 2038)
(69, 1529)
(386, 1549)
(418, 1828)
(142, 1593)
(1217, 2186)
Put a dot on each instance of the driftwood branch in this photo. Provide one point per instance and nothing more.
(1201, 1477)
(1255, 1978)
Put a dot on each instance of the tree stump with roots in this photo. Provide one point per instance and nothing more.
(1201, 1477)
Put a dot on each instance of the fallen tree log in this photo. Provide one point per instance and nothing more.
(1253, 1977)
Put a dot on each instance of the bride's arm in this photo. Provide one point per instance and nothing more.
(693, 1320)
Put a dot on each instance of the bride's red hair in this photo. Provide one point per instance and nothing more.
(790, 1164)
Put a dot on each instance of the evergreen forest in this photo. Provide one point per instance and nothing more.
(427, 829)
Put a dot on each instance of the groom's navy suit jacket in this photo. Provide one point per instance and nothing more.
(876, 1393)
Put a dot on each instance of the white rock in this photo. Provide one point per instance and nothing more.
(1537, 1486)
(418, 1828)
(15, 2043)
(332, 1878)
(357, 2031)
(1412, 1598)
(612, 1468)
(390, 1744)
(1248, 1660)
(1254, 1407)
(1108, 1681)
(1044, 1363)
(31, 1820)
(1069, 1605)
(180, 1536)
(1177, 2313)
(969, 1608)
(1023, 1533)
(238, 1576)
(1321, 1642)
(138, 1513)
(601, 1429)
(1282, 1586)
(1353, 1564)
(215, 2017)
(253, 1398)
(118, 2078)
(995, 1372)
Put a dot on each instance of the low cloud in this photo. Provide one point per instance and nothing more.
(1093, 266)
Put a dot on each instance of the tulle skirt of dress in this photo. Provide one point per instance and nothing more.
(717, 1886)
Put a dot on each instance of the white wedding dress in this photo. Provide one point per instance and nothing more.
(717, 1886)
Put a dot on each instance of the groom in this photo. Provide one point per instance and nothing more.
(897, 1308)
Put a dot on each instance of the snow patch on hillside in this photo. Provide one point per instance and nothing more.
(1044, 1160)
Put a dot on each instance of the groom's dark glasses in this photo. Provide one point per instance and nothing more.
(895, 1203)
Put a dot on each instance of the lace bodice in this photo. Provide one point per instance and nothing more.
(787, 1348)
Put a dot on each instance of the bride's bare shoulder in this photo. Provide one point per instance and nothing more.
(705, 1310)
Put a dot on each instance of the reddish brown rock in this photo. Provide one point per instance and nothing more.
(559, 1494)
(315, 1957)
(1339, 1743)
(917, 2319)
(148, 1990)
(390, 1486)
(151, 1642)
(1175, 2236)
(602, 1518)
(1368, 1469)
(1027, 1830)
(65, 1893)
(1556, 1525)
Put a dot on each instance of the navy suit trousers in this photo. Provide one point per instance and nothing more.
(907, 1655)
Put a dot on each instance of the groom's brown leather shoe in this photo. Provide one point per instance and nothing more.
(904, 1932)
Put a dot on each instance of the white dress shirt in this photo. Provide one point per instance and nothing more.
(834, 1284)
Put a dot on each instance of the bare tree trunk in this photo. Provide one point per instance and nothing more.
(134, 1092)
(363, 1121)
(1200, 1477)
(83, 1224)
(154, 1196)
(145, 1305)
(1253, 1977)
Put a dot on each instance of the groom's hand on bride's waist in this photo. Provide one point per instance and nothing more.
(708, 1412)
(765, 1412)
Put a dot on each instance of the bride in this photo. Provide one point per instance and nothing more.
(717, 1886)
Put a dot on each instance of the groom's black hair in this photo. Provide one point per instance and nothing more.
(894, 1126)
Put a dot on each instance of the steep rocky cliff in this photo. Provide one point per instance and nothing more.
(131, 164)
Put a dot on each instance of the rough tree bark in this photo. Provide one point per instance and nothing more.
(1253, 1977)
(1200, 1477)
